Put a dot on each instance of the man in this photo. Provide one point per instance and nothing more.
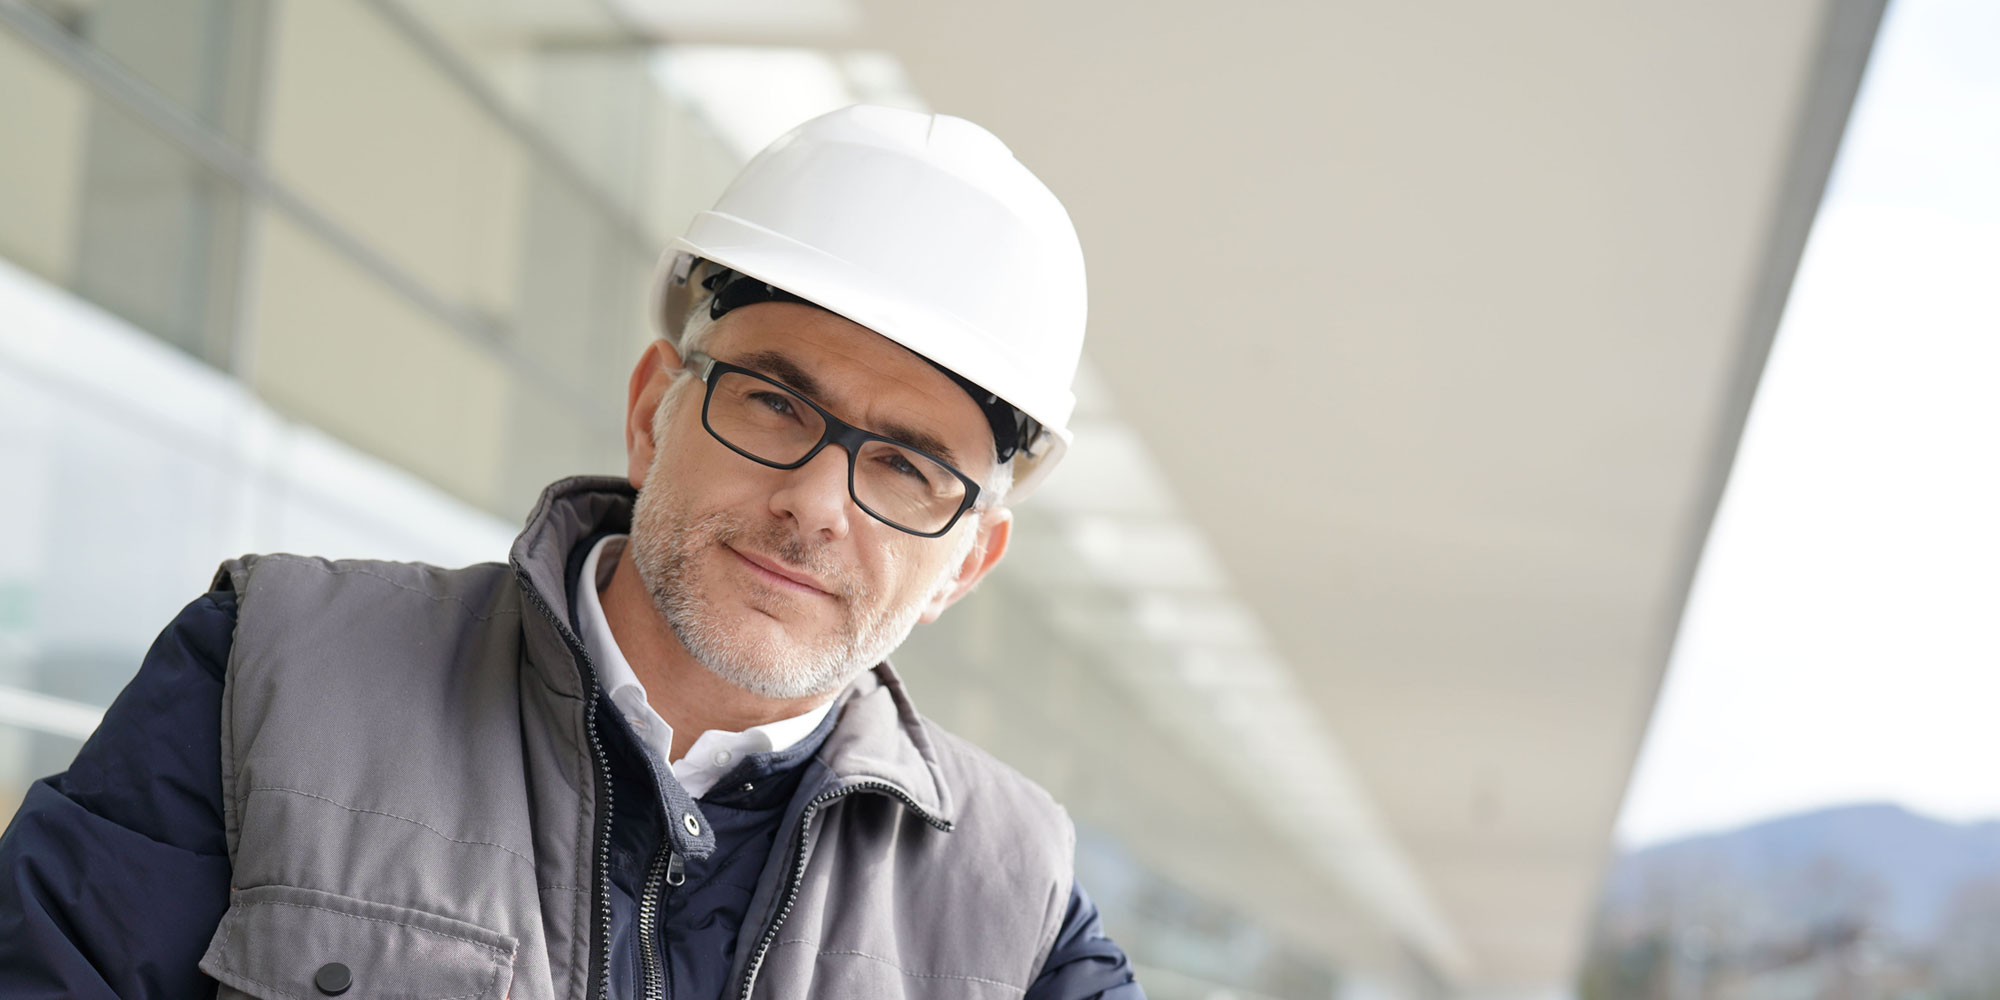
(660, 752)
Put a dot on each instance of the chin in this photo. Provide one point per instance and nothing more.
(775, 644)
(763, 655)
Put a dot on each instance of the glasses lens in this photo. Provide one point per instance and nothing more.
(762, 418)
(903, 487)
(894, 483)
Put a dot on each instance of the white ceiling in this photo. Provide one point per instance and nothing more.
(1440, 322)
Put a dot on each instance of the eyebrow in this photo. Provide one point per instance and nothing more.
(784, 369)
(921, 441)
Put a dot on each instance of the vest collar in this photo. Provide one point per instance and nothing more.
(879, 737)
(569, 512)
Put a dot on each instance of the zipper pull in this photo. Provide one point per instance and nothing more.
(676, 868)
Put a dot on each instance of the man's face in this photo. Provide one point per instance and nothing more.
(774, 579)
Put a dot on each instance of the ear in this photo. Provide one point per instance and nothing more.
(656, 370)
(996, 526)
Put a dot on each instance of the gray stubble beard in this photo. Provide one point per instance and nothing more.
(666, 549)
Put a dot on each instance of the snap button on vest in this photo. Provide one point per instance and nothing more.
(333, 979)
(693, 825)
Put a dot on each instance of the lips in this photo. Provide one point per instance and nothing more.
(781, 575)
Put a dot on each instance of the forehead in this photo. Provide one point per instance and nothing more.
(861, 376)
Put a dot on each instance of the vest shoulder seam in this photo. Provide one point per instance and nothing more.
(336, 569)
(390, 815)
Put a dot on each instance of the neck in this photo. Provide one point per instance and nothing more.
(687, 695)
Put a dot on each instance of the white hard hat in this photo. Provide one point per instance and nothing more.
(926, 230)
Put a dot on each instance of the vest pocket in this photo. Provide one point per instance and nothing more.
(281, 942)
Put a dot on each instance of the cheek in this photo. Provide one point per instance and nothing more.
(913, 572)
(698, 465)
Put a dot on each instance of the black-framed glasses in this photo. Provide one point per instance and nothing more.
(771, 424)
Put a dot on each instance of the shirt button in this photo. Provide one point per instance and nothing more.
(721, 757)
(333, 979)
(692, 825)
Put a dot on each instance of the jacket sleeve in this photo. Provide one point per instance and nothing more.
(1084, 964)
(115, 873)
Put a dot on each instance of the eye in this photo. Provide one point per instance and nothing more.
(776, 402)
(902, 466)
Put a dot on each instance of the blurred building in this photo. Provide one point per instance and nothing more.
(359, 278)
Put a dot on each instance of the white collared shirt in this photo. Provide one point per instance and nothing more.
(714, 752)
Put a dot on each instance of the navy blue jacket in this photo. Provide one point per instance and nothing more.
(114, 874)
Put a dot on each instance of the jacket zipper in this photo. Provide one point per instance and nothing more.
(669, 870)
(795, 874)
(600, 888)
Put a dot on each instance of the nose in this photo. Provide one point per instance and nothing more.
(815, 495)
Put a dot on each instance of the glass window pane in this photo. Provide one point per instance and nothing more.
(42, 132)
(201, 55)
(583, 288)
(158, 236)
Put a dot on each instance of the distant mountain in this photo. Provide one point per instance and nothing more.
(1904, 869)
(1852, 902)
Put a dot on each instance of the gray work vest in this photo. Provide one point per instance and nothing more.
(411, 791)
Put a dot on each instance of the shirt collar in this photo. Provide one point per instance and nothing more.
(713, 753)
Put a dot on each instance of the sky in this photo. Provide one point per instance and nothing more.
(1842, 641)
